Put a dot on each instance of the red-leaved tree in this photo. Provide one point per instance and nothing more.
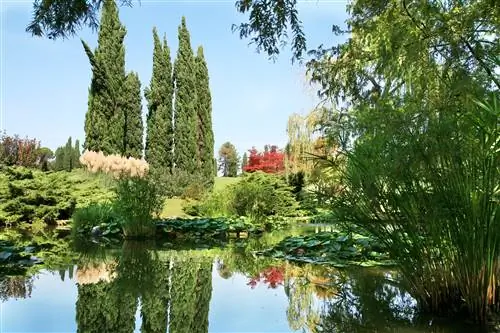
(272, 277)
(271, 160)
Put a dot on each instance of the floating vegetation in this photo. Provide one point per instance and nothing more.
(208, 227)
(335, 248)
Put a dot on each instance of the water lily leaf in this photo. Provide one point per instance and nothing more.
(5, 255)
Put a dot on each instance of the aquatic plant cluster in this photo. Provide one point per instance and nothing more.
(337, 249)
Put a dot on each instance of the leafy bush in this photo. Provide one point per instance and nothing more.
(260, 194)
(137, 201)
(214, 204)
(257, 195)
(100, 215)
(28, 195)
(297, 181)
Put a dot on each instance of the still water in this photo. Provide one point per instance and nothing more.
(139, 287)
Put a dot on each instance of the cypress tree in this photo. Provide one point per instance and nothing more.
(76, 154)
(159, 94)
(59, 162)
(185, 147)
(68, 156)
(244, 162)
(204, 120)
(104, 118)
(133, 127)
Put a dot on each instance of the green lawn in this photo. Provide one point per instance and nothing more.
(173, 207)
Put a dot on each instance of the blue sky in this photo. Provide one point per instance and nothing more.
(45, 83)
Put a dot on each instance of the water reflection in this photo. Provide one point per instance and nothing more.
(140, 287)
(171, 290)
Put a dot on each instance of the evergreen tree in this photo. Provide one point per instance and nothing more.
(244, 161)
(133, 128)
(185, 149)
(159, 94)
(105, 115)
(59, 162)
(68, 156)
(76, 154)
(204, 120)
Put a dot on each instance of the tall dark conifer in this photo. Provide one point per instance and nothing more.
(133, 127)
(204, 120)
(159, 138)
(185, 134)
(105, 117)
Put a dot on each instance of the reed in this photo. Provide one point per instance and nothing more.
(431, 196)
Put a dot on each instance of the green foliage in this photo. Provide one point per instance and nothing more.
(207, 227)
(181, 184)
(338, 249)
(159, 94)
(67, 156)
(104, 120)
(100, 215)
(185, 132)
(259, 194)
(133, 128)
(214, 204)
(434, 203)
(244, 161)
(137, 201)
(228, 160)
(21, 152)
(204, 120)
(297, 181)
(28, 196)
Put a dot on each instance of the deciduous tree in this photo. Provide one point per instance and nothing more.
(228, 160)
(269, 161)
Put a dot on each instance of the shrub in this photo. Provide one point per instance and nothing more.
(97, 214)
(137, 201)
(259, 195)
(214, 204)
(30, 196)
(297, 181)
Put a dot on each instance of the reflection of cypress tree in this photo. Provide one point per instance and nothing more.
(183, 294)
(190, 295)
(155, 301)
(101, 307)
(203, 293)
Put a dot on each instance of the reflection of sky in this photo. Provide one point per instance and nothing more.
(51, 307)
(234, 307)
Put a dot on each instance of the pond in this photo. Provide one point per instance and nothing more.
(199, 288)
